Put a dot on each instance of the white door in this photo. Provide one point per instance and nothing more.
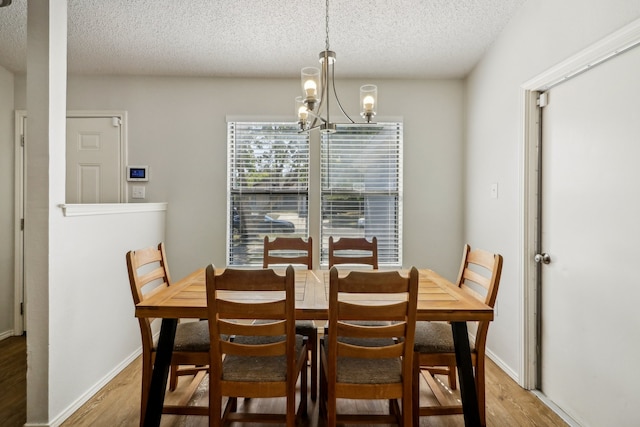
(94, 172)
(590, 343)
(83, 132)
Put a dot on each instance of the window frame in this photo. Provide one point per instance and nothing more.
(316, 188)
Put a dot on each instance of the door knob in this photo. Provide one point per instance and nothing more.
(542, 258)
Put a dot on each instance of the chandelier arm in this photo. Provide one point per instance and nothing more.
(316, 117)
(333, 85)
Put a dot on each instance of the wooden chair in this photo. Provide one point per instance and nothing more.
(294, 250)
(149, 273)
(369, 362)
(353, 250)
(434, 350)
(263, 359)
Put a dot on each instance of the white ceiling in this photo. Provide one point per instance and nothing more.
(268, 38)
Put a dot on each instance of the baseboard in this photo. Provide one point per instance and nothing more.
(502, 365)
(71, 409)
(5, 335)
(555, 408)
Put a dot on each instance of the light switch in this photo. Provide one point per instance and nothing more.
(494, 190)
(137, 192)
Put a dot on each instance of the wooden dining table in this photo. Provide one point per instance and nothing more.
(438, 300)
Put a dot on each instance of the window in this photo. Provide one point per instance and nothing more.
(268, 182)
(361, 188)
(268, 187)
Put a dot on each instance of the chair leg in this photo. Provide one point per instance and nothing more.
(313, 347)
(481, 391)
(452, 377)
(147, 364)
(415, 390)
(215, 407)
(173, 377)
(304, 383)
(322, 404)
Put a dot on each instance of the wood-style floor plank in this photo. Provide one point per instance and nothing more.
(13, 381)
(117, 404)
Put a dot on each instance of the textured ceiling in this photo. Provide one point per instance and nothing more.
(268, 38)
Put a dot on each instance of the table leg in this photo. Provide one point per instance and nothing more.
(465, 373)
(153, 412)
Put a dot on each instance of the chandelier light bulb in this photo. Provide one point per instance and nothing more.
(367, 103)
(310, 89)
(303, 113)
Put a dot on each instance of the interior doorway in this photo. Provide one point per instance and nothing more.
(579, 155)
(88, 129)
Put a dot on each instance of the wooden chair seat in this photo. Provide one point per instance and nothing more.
(435, 337)
(367, 371)
(191, 337)
(258, 368)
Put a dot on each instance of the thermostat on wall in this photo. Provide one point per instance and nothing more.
(137, 173)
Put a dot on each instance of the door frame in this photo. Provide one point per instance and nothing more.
(19, 322)
(618, 42)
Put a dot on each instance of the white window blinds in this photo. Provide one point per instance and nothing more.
(361, 189)
(268, 184)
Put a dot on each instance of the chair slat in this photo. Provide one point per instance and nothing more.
(377, 311)
(156, 274)
(380, 331)
(475, 277)
(271, 349)
(360, 352)
(238, 309)
(266, 329)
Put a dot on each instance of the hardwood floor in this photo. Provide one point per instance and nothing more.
(117, 404)
(13, 381)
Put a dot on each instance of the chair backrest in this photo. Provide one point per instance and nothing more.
(479, 276)
(288, 250)
(232, 313)
(148, 274)
(384, 309)
(353, 250)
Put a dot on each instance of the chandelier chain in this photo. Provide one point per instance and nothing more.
(326, 42)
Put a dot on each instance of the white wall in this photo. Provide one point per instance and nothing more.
(7, 204)
(177, 127)
(542, 34)
(93, 332)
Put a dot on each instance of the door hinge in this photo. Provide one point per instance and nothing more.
(21, 308)
(22, 140)
(543, 100)
(21, 224)
(115, 121)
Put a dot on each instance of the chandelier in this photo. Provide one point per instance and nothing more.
(312, 108)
